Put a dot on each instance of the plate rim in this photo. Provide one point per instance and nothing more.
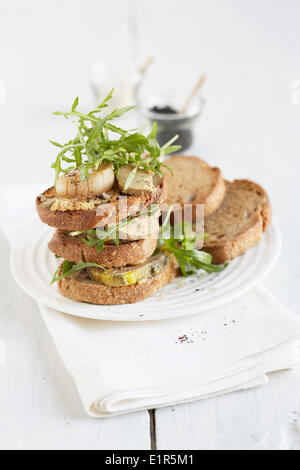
(208, 305)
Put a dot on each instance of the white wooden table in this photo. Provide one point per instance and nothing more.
(40, 408)
(250, 128)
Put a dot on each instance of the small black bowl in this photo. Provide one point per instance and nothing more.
(164, 110)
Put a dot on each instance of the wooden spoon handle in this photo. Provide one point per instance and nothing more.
(146, 64)
(193, 93)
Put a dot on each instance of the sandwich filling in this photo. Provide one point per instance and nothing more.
(140, 228)
(129, 275)
(143, 181)
(50, 199)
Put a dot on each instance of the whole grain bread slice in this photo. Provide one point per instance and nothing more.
(107, 212)
(74, 249)
(81, 288)
(194, 182)
(239, 221)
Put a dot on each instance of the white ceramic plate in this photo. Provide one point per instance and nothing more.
(33, 266)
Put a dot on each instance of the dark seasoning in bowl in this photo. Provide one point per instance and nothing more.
(175, 112)
(167, 129)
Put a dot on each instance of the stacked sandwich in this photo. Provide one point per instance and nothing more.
(105, 207)
(88, 216)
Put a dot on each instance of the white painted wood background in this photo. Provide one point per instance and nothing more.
(250, 127)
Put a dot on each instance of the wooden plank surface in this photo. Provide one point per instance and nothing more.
(266, 417)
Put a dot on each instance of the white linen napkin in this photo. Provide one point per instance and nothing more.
(119, 367)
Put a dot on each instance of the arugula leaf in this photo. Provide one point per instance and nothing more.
(106, 99)
(180, 241)
(117, 113)
(170, 149)
(84, 172)
(99, 141)
(77, 157)
(152, 134)
(68, 268)
(75, 104)
(57, 166)
(56, 144)
(130, 178)
(191, 260)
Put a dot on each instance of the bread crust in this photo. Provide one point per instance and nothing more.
(241, 242)
(216, 196)
(95, 293)
(238, 245)
(110, 211)
(74, 249)
(211, 198)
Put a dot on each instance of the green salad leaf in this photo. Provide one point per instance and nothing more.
(99, 141)
(68, 268)
(180, 240)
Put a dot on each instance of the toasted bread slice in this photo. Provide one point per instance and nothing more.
(239, 222)
(194, 182)
(74, 249)
(80, 287)
(99, 211)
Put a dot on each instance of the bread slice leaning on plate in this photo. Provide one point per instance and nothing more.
(194, 182)
(238, 223)
(239, 211)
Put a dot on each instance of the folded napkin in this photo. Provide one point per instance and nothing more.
(119, 367)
